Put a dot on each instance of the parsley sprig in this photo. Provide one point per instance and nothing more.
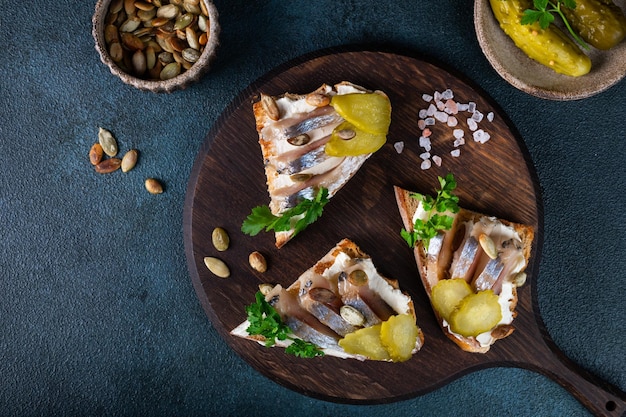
(265, 321)
(543, 13)
(435, 208)
(262, 218)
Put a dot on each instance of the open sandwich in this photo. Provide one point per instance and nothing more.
(346, 309)
(317, 140)
(471, 272)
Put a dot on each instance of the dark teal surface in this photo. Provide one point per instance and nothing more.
(97, 312)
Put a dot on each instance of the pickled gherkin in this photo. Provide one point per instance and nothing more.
(600, 23)
(477, 313)
(366, 342)
(550, 47)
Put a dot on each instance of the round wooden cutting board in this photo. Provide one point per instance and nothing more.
(496, 178)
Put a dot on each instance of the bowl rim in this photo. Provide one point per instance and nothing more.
(193, 74)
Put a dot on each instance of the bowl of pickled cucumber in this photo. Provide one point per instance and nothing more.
(554, 49)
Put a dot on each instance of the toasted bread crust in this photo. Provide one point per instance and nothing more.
(407, 207)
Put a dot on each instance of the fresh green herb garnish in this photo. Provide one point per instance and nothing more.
(435, 209)
(262, 218)
(543, 13)
(265, 321)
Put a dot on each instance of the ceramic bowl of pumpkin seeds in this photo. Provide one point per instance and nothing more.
(156, 45)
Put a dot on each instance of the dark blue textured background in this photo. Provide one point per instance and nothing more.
(97, 312)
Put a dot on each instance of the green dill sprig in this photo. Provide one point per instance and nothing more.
(265, 321)
(435, 209)
(262, 218)
(543, 13)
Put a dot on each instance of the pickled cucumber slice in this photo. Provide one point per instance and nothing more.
(447, 294)
(365, 342)
(476, 314)
(398, 336)
(370, 112)
(361, 143)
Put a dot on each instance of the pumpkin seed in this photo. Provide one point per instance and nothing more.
(205, 11)
(142, 5)
(186, 64)
(190, 55)
(269, 106)
(95, 154)
(130, 25)
(110, 34)
(317, 99)
(265, 288)
(358, 277)
(146, 15)
(183, 21)
(178, 57)
(162, 42)
(299, 140)
(169, 11)
(166, 57)
(300, 177)
(154, 45)
(203, 39)
(131, 41)
(150, 57)
(108, 165)
(192, 8)
(488, 245)
(352, 315)
(192, 38)
(129, 160)
(142, 32)
(202, 23)
(170, 71)
(220, 239)
(129, 7)
(217, 267)
(116, 6)
(153, 186)
(181, 34)
(107, 141)
(116, 52)
(257, 262)
(139, 63)
(346, 134)
(176, 44)
(159, 21)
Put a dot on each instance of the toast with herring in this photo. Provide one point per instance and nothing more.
(313, 141)
(346, 308)
(472, 269)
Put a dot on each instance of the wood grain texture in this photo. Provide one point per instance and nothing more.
(497, 178)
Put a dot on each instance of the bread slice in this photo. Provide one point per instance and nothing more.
(330, 281)
(445, 259)
(293, 130)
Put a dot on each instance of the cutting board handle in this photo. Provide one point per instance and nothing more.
(600, 397)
